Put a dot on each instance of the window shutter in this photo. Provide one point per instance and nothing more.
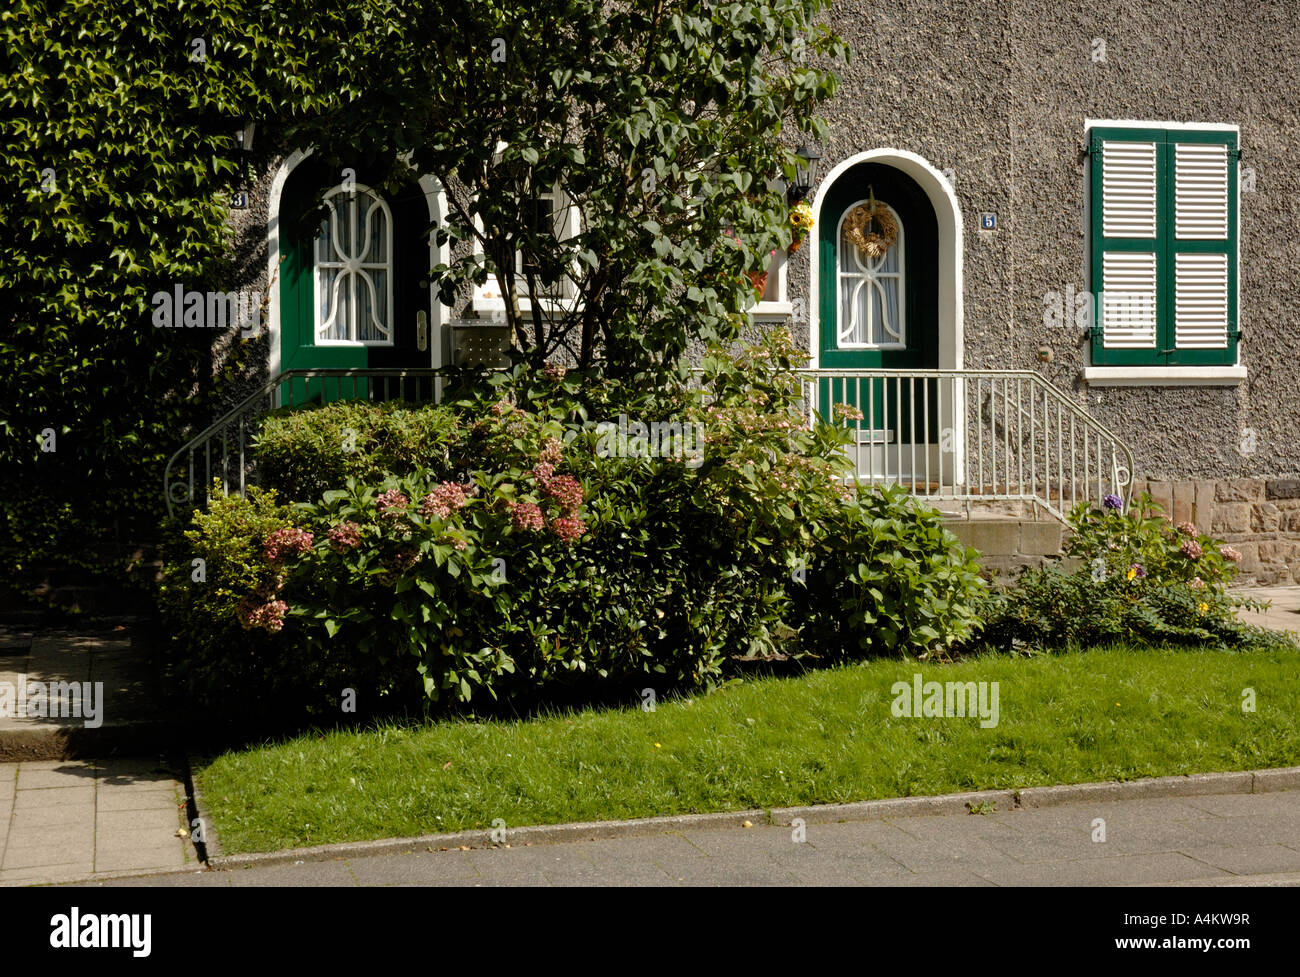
(1164, 246)
(1128, 251)
(1202, 249)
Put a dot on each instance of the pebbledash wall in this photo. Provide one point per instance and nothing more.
(997, 93)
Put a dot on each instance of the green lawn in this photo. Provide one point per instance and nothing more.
(829, 736)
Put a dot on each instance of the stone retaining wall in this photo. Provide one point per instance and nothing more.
(1258, 516)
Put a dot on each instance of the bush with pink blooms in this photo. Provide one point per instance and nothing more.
(517, 556)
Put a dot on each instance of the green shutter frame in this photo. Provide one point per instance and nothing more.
(1165, 245)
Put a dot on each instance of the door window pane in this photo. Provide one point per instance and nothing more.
(354, 286)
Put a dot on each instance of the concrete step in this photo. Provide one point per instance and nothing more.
(1007, 544)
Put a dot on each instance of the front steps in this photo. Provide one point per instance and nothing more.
(1008, 543)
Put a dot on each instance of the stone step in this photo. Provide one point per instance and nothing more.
(1006, 544)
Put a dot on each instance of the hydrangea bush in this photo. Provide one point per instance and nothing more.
(1139, 579)
(515, 553)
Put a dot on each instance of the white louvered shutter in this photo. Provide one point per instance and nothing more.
(1129, 213)
(1201, 276)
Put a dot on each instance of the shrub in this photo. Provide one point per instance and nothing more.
(1142, 544)
(218, 602)
(304, 452)
(1140, 580)
(539, 551)
(889, 578)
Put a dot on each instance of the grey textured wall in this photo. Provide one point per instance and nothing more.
(998, 92)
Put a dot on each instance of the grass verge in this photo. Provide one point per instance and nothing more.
(825, 737)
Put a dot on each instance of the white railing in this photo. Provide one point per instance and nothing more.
(971, 435)
(944, 435)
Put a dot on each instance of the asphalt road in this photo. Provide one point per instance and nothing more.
(1233, 839)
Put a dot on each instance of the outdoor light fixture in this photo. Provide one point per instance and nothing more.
(244, 135)
(804, 174)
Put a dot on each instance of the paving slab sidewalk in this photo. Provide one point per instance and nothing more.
(1282, 615)
(62, 820)
(78, 690)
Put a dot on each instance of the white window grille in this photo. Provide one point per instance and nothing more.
(871, 293)
(354, 270)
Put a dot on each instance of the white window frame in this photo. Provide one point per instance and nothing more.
(353, 265)
(901, 274)
(488, 297)
(777, 277)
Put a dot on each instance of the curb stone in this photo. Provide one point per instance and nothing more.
(211, 846)
(1245, 782)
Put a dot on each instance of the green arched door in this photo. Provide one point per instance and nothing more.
(353, 264)
(879, 312)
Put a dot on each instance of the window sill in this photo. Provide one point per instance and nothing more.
(771, 310)
(1163, 376)
(498, 306)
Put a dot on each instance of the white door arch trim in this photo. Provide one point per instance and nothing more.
(437, 204)
(947, 211)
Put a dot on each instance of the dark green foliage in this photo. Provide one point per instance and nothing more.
(305, 452)
(1141, 581)
(535, 554)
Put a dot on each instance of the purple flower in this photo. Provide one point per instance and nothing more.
(1113, 502)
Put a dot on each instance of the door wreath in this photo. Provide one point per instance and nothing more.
(872, 228)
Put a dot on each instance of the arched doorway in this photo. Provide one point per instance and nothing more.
(349, 272)
(897, 311)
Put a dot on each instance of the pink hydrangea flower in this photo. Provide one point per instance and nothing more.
(552, 451)
(543, 471)
(1191, 549)
(1230, 554)
(568, 528)
(286, 542)
(526, 516)
(554, 371)
(567, 491)
(446, 498)
(345, 536)
(1187, 529)
(1196, 583)
(391, 503)
(256, 614)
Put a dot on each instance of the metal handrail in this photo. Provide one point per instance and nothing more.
(253, 404)
(960, 450)
(1013, 428)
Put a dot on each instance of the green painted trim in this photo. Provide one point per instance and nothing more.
(1165, 245)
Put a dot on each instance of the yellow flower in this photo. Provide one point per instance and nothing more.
(1202, 607)
(1132, 573)
(657, 746)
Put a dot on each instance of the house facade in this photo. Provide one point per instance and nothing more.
(1101, 195)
